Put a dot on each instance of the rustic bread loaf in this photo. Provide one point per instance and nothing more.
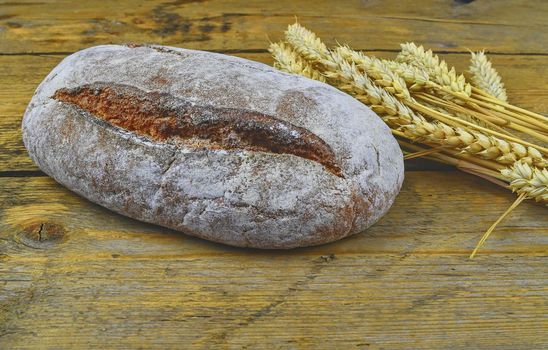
(215, 146)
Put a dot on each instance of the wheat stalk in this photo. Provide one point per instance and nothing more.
(485, 77)
(460, 112)
(514, 205)
(528, 182)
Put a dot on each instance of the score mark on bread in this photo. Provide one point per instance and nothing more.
(161, 116)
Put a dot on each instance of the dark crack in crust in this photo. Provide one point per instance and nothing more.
(161, 116)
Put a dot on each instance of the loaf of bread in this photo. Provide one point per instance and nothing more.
(215, 146)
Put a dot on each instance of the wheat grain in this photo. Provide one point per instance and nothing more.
(288, 60)
(529, 180)
(485, 77)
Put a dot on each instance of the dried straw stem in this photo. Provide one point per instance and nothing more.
(492, 228)
(478, 93)
(456, 110)
(489, 105)
(478, 167)
(486, 119)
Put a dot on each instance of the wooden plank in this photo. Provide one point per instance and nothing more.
(74, 275)
(525, 77)
(516, 26)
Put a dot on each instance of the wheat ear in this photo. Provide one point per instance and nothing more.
(436, 68)
(529, 180)
(378, 70)
(288, 60)
(472, 142)
(306, 43)
(485, 77)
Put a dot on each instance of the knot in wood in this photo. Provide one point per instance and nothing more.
(41, 235)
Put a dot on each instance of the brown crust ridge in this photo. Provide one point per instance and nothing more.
(161, 116)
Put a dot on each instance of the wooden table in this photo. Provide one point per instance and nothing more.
(74, 275)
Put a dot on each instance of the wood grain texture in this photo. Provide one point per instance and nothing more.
(102, 280)
(32, 26)
(74, 275)
(524, 76)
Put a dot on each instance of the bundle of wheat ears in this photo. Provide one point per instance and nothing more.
(433, 111)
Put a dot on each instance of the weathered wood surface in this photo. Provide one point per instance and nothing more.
(74, 275)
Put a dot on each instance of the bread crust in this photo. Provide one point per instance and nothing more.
(336, 178)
